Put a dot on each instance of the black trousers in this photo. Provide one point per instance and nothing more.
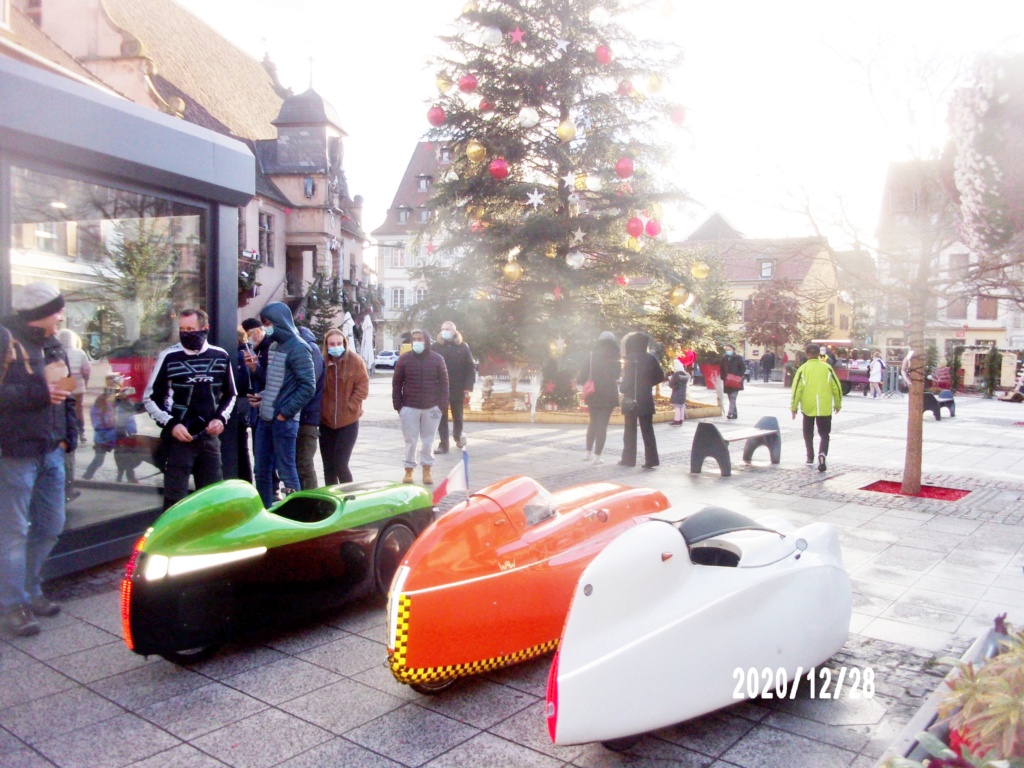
(336, 449)
(199, 459)
(457, 402)
(646, 421)
(236, 463)
(824, 429)
(597, 429)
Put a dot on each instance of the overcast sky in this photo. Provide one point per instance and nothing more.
(786, 100)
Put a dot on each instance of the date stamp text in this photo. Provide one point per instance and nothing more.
(818, 683)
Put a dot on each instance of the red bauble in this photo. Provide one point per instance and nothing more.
(604, 54)
(624, 167)
(435, 116)
(625, 88)
(467, 83)
(476, 226)
(635, 226)
(622, 280)
(653, 228)
(499, 168)
(678, 115)
(486, 106)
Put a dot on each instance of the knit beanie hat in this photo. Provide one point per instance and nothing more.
(607, 336)
(251, 322)
(38, 300)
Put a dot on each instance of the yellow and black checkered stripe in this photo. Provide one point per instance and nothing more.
(406, 675)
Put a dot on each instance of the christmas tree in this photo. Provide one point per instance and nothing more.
(546, 230)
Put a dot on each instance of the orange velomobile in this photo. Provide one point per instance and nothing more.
(489, 583)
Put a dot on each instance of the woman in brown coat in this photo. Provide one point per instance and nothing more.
(346, 385)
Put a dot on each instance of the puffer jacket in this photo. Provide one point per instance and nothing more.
(420, 380)
(458, 361)
(641, 373)
(311, 411)
(297, 378)
(346, 386)
(30, 426)
(816, 390)
(603, 367)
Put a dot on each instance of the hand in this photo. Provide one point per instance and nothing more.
(794, 414)
(215, 427)
(57, 395)
(250, 361)
(64, 445)
(181, 434)
(281, 418)
(254, 400)
(838, 409)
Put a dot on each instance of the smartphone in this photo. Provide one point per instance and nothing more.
(248, 348)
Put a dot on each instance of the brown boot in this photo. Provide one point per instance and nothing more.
(427, 479)
(408, 475)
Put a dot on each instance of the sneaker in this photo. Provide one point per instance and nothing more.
(41, 606)
(427, 479)
(20, 621)
(598, 460)
(461, 442)
(442, 448)
(71, 496)
(408, 475)
(589, 456)
(821, 462)
(810, 461)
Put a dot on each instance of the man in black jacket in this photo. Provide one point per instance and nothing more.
(37, 427)
(458, 360)
(191, 395)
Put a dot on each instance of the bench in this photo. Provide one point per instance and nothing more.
(935, 403)
(709, 441)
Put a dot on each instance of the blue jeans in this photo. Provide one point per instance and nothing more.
(31, 519)
(275, 449)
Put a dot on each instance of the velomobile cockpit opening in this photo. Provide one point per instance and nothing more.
(305, 509)
(710, 523)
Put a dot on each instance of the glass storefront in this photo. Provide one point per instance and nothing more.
(127, 263)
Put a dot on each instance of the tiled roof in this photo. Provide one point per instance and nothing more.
(792, 257)
(265, 186)
(231, 86)
(425, 162)
(26, 34)
(308, 108)
(715, 228)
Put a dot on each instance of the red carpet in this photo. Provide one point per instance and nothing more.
(927, 491)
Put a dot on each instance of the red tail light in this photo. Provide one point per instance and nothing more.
(551, 708)
(126, 592)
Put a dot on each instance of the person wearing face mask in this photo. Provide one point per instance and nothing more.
(419, 390)
(346, 386)
(733, 370)
(309, 419)
(191, 394)
(458, 361)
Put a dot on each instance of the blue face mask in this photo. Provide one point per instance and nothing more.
(418, 347)
(336, 351)
(728, 353)
(268, 330)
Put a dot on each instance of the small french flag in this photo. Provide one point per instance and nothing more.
(457, 480)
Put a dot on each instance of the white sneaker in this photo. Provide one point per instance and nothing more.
(589, 456)
(461, 442)
(598, 460)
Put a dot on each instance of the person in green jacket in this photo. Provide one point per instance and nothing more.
(816, 392)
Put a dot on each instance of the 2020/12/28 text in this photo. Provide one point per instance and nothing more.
(819, 683)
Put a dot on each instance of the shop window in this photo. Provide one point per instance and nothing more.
(127, 264)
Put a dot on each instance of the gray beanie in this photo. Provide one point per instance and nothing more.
(607, 335)
(38, 300)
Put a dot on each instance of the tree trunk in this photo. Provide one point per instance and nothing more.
(515, 370)
(915, 373)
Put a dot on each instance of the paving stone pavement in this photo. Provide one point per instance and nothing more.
(928, 577)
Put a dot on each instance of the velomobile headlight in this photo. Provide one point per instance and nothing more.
(397, 585)
(158, 566)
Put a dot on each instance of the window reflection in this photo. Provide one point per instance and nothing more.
(126, 262)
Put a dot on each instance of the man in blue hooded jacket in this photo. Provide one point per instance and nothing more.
(289, 382)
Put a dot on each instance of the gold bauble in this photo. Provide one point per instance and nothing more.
(470, 7)
(551, 252)
(566, 130)
(443, 84)
(633, 243)
(581, 181)
(638, 96)
(679, 296)
(654, 83)
(475, 151)
(475, 212)
(512, 271)
(700, 270)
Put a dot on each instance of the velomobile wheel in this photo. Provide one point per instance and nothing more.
(393, 543)
(191, 655)
(435, 687)
(623, 744)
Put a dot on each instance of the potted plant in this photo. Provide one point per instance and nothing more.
(981, 721)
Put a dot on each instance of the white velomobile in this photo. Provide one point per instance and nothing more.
(673, 617)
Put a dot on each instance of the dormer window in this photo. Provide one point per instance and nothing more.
(403, 215)
(422, 182)
(767, 269)
(424, 215)
(446, 155)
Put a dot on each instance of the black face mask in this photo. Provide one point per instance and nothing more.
(193, 340)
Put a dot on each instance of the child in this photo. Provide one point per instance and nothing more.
(678, 381)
